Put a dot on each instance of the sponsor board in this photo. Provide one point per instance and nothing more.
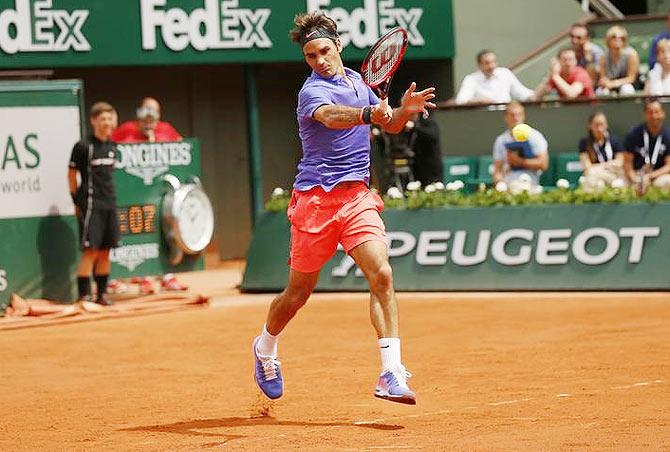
(3, 280)
(215, 26)
(36, 26)
(544, 247)
(552, 247)
(150, 160)
(38, 33)
(35, 148)
(132, 256)
(362, 26)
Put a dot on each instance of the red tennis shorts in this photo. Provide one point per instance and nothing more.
(349, 214)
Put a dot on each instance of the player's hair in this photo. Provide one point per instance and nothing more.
(481, 54)
(306, 22)
(99, 108)
(563, 50)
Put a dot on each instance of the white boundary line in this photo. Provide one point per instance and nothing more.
(501, 403)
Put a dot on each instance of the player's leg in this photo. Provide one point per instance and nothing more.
(286, 304)
(308, 253)
(267, 371)
(372, 258)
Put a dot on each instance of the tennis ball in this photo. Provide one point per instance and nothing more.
(521, 132)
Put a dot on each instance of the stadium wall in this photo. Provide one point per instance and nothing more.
(471, 131)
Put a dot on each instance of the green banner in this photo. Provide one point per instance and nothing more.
(40, 121)
(140, 190)
(59, 33)
(573, 247)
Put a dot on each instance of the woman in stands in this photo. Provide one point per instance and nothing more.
(658, 78)
(600, 154)
(620, 65)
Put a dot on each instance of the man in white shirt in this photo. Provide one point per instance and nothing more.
(515, 161)
(491, 84)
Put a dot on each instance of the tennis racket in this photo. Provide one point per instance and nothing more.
(383, 60)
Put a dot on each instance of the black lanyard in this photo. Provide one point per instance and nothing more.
(603, 154)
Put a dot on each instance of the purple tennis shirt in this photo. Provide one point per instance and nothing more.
(331, 156)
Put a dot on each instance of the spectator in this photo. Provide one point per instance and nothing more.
(568, 79)
(515, 161)
(147, 126)
(647, 149)
(588, 54)
(95, 202)
(653, 48)
(491, 84)
(619, 67)
(658, 79)
(600, 154)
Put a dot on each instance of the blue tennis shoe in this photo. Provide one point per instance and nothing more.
(267, 373)
(392, 386)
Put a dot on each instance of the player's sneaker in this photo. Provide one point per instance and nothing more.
(267, 373)
(392, 386)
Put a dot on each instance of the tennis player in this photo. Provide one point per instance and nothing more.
(331, 202)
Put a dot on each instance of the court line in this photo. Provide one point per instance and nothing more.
(504, 402)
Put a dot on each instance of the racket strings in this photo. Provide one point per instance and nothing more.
(384, 58)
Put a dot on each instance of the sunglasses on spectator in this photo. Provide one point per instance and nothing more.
(578, 36)
(618, 37)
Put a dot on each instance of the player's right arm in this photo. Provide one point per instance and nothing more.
(339, 116)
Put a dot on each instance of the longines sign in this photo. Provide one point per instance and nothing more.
(54, 33)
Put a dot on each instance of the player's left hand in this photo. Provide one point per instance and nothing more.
(381, 113)
(417, 101)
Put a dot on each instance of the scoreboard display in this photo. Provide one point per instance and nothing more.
(137, 219)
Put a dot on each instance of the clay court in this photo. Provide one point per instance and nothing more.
(533, 371)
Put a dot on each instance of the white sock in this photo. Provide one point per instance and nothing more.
(389, 347)
(267, 345)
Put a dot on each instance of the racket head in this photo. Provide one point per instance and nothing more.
(383, 58)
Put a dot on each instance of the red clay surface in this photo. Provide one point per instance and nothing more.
(492, 372)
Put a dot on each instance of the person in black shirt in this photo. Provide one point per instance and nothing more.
(600, 154)
(424, 133)
(647, 149)
(418, 144)
(95, 201)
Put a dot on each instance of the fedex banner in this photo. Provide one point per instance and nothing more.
(573, 247)
(56, 33)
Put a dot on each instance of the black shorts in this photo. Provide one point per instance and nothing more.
(98, 229)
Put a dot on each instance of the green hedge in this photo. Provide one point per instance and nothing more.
(489, 197)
